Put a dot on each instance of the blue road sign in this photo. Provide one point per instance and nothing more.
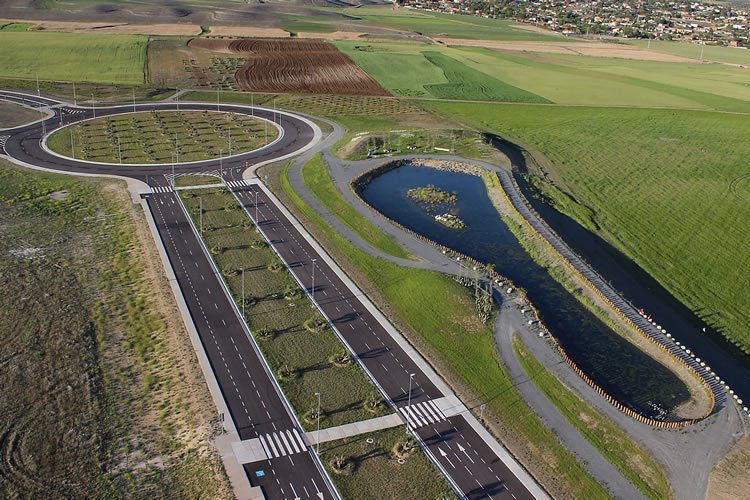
(260, 473)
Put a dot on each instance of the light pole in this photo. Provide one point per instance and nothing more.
(39, 95)
(75, 101)
(243, 292)
(72, 145)
(221, 164)
(317, 439)
(256, 209)
(230, 141)
(408, 405)
(133, 99)
(200, 200)
(173, 169)
(312, 290)
(93, 105)
(119, 149)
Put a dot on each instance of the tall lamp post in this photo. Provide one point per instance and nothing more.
(200, 200)
(312, 290)
(243, 293)
(317, 439)
(408, 405)
(257, 223)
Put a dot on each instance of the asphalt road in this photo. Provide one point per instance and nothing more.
(463, 454)
(256, 407)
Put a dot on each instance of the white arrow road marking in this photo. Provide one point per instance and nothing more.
(463, 450)
(445, 456)
(320, 495)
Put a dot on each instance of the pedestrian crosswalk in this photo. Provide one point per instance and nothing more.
(3, 140)
(72, 111)
(421, 414)
(161, 189)
(282, 443)
(233, 184)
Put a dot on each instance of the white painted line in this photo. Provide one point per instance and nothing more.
(421, 411)
(415, 416)
(299, 438)
(278, 441)
(408, 418)
(273, 446)
(265, 448)
(286, 443)
(293, 441)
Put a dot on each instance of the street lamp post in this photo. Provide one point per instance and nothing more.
(317, 439)
(408, 405)
(312, 290)
(243, 292)
(221, 164)
(200, 200)
(256, 209)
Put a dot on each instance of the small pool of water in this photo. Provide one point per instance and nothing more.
(614, 364)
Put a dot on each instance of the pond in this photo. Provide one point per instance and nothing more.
(620, 369)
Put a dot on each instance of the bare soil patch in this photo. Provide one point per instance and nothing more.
(596, 49)
(13, 115)
(248, 31)
(302, 66)
(730, 478)
(119, 28)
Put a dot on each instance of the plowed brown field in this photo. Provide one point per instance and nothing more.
(307, 66)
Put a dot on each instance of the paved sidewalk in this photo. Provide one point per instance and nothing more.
(355, 428)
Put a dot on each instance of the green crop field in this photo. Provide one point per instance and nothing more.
(565, 79)
(713, 53)
(442, 313)
(471, 84)
(74, 56)
(670, 188)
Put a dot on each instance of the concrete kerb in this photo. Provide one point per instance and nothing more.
(503, 454)
(256, 348)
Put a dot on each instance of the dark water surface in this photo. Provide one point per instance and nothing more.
(614, 364)
(643, 291)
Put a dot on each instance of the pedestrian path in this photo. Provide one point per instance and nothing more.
(421, 414)
(234, 184)
(282, 443)
(355, 428)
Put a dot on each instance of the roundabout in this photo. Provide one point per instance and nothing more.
(26, 145)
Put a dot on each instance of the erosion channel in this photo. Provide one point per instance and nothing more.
(618, 367)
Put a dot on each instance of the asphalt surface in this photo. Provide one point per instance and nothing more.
(255, 404)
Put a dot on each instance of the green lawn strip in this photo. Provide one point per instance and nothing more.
(470, 84)
(611, 441)
(85, 92)
(307, 27)
(280, 317)
(372, 471)
(442, 313)
(15, 27)
(662, 184)
(154, 137)
(74, 56)
(196, 180)
(320, 183)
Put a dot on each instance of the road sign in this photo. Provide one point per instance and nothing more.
(260, 473)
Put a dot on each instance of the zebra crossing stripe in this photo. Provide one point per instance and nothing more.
(286, 443)
(427, 409)
(437, 410)
(265, 448)
(294, 443)
(408, 418)
(273, 446)
(422, 410)
(302, 444)
(282, 450)
(415, 417)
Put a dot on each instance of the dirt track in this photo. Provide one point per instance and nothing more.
(294, 65)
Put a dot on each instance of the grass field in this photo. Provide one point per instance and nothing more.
(300, 358)
(14, 27)
(669, 188)
(196, 180)
(566, 79)
(84, 93)
(711, 53)
(102, 396)
(372, 470)
(470, 84)
(79, 57)
(320, 183)
(611, 441)
(442, 313)
(154, 137)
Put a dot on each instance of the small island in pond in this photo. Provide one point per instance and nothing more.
(431, 195)
(450, 220)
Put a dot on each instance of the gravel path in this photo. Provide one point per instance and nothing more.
(688, 455)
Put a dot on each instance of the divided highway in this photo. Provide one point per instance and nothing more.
(257, 408)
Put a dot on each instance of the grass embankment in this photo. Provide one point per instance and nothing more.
(230, 97)
(372, 471)
(303, 352)
(442, 314)
(321, 185)
(156, 136)
(74, 56)
(673, 195)
(611, 441)
(102, 396)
